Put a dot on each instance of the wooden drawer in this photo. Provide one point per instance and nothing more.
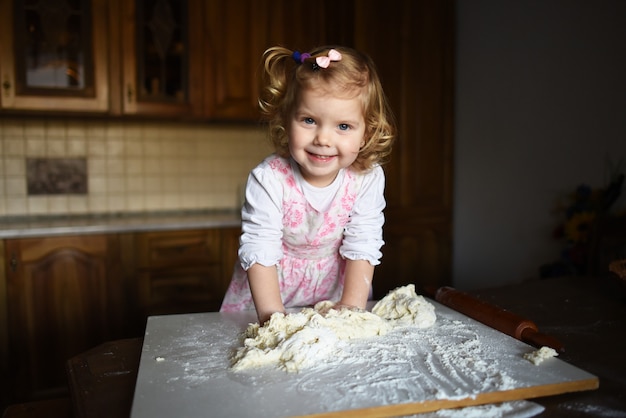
(194, 289)
(178, 248)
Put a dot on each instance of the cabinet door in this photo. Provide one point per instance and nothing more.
(237, 34)
(179, 271)
(233, 51)
(413, 49)
(161, 57)
(53, 55)
(65, 295)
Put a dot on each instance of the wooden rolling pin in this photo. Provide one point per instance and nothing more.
(495, 317)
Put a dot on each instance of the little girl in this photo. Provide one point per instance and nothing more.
(313, 214)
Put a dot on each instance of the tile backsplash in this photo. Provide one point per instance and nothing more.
(131, 166)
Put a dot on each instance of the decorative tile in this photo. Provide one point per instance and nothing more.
(50, 176)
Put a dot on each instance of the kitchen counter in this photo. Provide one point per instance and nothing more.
(27, 227)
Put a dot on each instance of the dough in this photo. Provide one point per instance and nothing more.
(295, 341)
(538, 356)
(404, 307)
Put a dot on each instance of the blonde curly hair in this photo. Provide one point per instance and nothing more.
(283, 79)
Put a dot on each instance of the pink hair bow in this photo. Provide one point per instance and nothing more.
(324, 62)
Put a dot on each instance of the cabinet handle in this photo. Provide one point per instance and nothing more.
(129, 93)
(13, 263)
(7, 86)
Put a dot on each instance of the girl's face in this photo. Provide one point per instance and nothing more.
(325, 134)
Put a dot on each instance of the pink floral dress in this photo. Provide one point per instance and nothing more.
(309, 262)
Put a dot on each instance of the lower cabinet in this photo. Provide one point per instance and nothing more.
(64, 295)
(60, 296)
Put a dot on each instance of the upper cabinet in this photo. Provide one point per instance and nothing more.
(53, 55)
(182, 59)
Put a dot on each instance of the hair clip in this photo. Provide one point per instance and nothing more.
(300, 58)
(324, 62)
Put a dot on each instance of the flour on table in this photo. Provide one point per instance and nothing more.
(538, 356)
(295, 341)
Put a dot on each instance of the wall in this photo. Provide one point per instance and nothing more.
(131, 166)
(540, 108)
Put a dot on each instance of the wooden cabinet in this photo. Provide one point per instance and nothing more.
(413, 47)
(184, 271)
(237, 34)
(161, 57)
(63, 295)
(60, 296)
(182, 59)
(48, 67)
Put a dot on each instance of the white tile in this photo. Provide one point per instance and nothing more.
(95, 130)
(133, 167)
(114, 130)
(15, 167)
(116, 203)
(56, 148)
(13, 147)
(96, 148)
(76, 147)
(38, 205)
(15, 187)
(152, 166)
(115, 148)
(35, 147)
(13, 127)
(114, 166)
(58, 205)
(152, 184)
(153, 202)
(34, 128)
(77, 204)
(116, 185)
(76, 129)
(97, 203)
(134, 185)
(97, 185)
(171, 202)
(55, 129)
(136, 203)
(16, 206)
(152, 148)
(96, 167)
(133, 148)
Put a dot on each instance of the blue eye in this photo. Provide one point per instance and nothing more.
(309, 121)
(344, 126)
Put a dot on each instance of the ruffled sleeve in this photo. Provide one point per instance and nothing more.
(261, 216)
(363, 236)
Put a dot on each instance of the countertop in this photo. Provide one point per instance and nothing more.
(27, 227)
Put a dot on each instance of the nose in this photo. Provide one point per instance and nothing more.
(322, 137)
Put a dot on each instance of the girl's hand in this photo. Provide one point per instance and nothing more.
(263, 283)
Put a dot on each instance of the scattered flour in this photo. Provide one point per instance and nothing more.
(296, 341)
(538, 356)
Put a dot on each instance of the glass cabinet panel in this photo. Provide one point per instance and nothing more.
(162, 65)
(53, 47)
(53, 55)
(162, 54)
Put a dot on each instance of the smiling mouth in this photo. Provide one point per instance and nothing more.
(321, 157)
